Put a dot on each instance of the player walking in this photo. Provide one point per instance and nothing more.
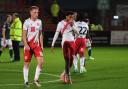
(33, 44)
(80, 41)
(66, 28)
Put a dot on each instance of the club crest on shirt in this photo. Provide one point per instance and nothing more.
(38, 24)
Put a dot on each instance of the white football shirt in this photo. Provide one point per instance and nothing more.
(33, 28)
(81, 28)
(66, 30)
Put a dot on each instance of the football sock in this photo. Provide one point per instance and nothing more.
(37, 73)
(82, 59)
(75, 61)
(25, 73)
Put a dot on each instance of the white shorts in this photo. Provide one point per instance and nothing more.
(88, 43)
(8, 42)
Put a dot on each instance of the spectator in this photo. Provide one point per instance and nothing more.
(15, 35)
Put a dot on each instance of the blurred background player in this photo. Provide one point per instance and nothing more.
(33, 44)
(88, 41)
(68, 45)
(15, 35)
(80, 41)
(88, 44)
(6, 41)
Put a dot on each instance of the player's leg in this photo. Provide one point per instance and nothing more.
(68, 66)
(39, 57)
(69, 53)
(67, 62)
(25, 73)
(27, 59)
(9, 43)
(3, 45)
(75, 61)
(38, 71)
(0, 51)
(71, 58)
(82, 57)
(82, 61)
(88, 45)
(90, 53)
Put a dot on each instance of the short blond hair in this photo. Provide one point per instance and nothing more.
(33, 7)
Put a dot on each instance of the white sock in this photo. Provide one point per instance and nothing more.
(75, 61)
(77, 56)
(25, 73)
(82, 59)
(37, 73)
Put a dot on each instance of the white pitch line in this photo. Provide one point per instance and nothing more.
(22, 72)
(50, 81)
(51, 75)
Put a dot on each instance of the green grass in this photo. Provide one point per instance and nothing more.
(108, 71)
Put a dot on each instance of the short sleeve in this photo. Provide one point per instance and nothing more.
(25, 25)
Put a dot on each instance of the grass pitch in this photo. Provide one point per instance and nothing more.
(108, 71)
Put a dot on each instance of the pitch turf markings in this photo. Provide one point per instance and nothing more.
(50, 81)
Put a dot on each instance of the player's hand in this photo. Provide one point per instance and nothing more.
(26, 47)
(52, 49)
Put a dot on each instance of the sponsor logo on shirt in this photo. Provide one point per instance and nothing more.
(32, 29)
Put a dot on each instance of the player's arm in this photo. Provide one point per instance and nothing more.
(24, 36)
(75, 29)
(56, 35)
(41, 39)
(41, 36)
(55, 38)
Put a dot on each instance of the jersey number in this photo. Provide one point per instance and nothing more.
(83, 30)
